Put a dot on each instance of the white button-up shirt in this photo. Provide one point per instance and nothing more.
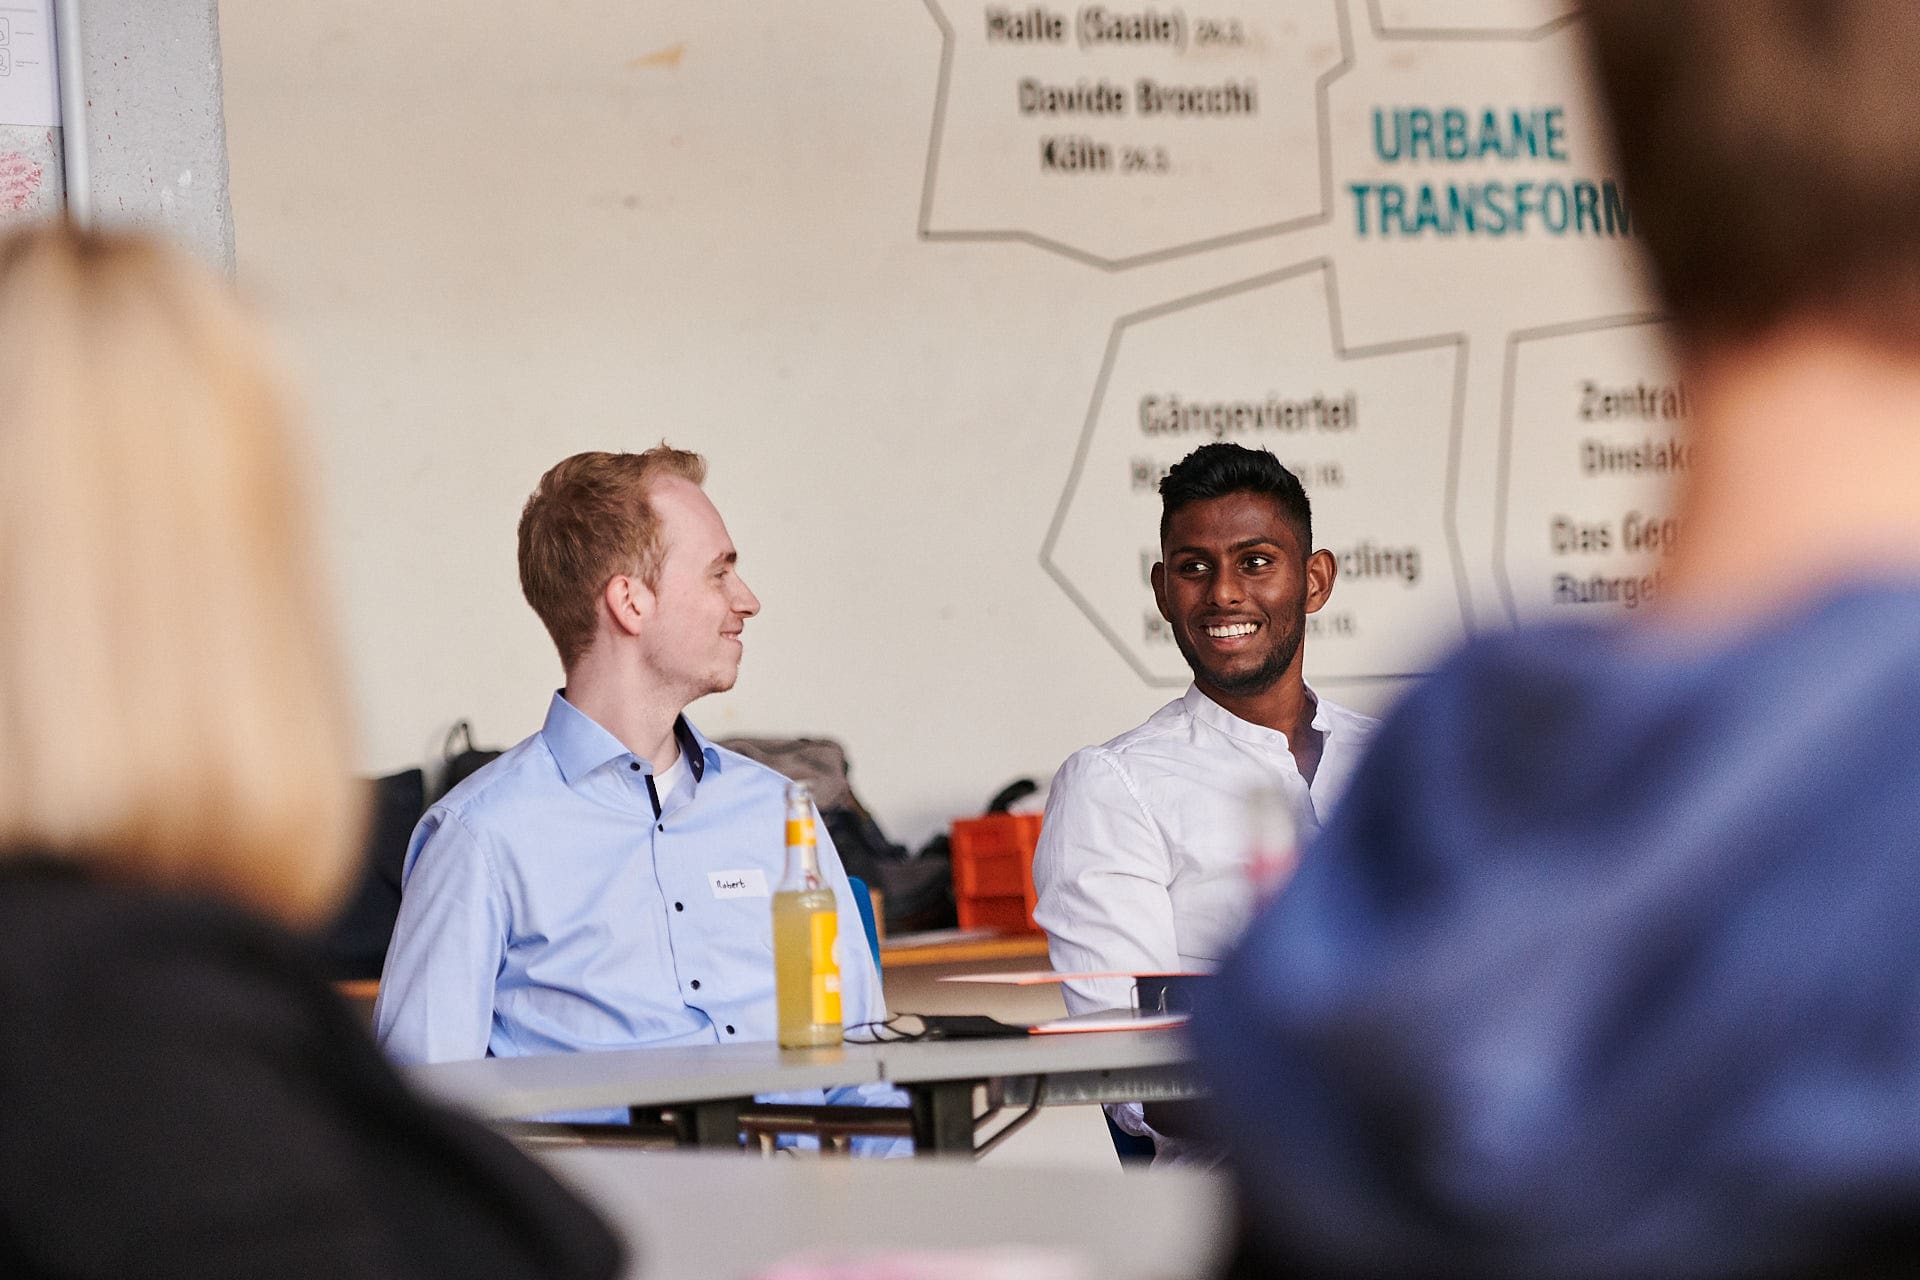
(1142, 861)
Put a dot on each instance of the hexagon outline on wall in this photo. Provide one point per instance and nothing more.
(988, 236)
(1383, 30)
(1337, 342)
(1503, 462)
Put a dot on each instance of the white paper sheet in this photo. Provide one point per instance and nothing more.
(29, 85)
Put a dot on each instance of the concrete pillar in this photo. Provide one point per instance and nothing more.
(156, 138)
(156, 133)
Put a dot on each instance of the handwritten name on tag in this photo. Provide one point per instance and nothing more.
(751, 883)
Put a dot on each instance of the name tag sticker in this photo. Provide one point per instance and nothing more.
(751, 883)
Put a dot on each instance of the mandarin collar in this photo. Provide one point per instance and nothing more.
(1209, 712)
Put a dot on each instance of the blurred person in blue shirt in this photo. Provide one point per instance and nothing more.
(1608, 965)
(606, 883)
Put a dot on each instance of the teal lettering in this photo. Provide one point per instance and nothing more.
(1460, 206)
(1494, 208)
(1490, 135)
(1360, 190)
(1380, 136)
(1523, 131)
(1393, 204)
(1556, 223)
(1556, 135)
(1498, 217)
(1419, 130)
(1522, 206)
(1586, 206)
(1615, 207)
(1427, 214)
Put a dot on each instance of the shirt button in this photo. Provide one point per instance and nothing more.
(663, 826)
(635, 766)
(729, 1028)
(696, 984)
(679, 906)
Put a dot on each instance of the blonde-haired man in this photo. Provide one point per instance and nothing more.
(606, 883)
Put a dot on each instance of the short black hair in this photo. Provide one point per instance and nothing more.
(1216, 470)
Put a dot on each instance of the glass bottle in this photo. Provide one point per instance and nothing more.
(806, 926)
(1271, 841)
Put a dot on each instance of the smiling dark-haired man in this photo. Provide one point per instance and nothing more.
(1143, 857)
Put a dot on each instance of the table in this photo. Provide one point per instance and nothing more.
(702, 1216)
(908, 951)
(1052, 1070)
(712, 1084)
(707, 1083)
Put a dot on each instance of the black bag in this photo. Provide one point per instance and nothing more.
(463, 764)
(354, 945)
(916, 893)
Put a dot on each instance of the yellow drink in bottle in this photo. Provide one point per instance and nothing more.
(806, 927)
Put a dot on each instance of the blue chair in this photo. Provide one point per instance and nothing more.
(863, 899)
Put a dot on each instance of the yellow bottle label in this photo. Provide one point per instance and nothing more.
(826, 970)
(799, 832)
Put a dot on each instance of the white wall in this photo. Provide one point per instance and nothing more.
(494, 234)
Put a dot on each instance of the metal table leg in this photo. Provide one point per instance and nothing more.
(943, 1120)
(708, 1124)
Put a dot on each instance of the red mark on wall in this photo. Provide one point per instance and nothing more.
(19, 181)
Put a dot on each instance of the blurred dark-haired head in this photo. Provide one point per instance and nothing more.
(1768, 149)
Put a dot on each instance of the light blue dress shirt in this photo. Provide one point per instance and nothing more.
(551, 903)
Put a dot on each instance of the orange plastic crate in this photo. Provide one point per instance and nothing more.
(993, 871)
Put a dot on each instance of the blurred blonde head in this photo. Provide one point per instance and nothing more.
(169, 705)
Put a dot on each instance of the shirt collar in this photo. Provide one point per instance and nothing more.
(580, 744)
(1207, 711)
(694, 746)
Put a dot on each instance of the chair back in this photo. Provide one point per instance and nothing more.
(863, 899)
